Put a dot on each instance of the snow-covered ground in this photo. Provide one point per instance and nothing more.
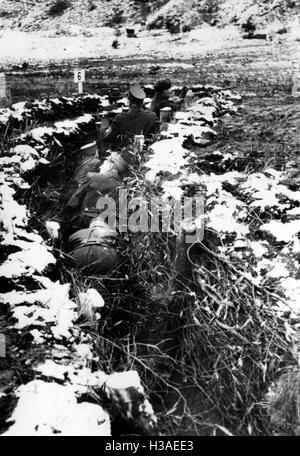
(15, 47)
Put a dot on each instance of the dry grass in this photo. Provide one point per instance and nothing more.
(206, 349)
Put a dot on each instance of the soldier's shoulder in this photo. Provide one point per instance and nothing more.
(151, 114)
(121, 116)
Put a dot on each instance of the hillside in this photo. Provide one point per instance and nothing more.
(65, 15)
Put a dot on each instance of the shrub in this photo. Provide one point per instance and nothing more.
(249, 26)
(59, 7)
(117, 17)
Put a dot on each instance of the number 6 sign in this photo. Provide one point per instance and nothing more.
(79, 75)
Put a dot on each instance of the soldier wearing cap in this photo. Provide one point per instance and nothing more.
(88, 162)
(136, 121)
(96, 183)
(162, 98)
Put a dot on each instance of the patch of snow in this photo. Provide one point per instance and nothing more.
(283, 232)
(53, 229)
(84, 351)
(295, 211)
(265, 198)
(221, 218)
(278, 270)
(24, 151)
(37, 336)
(51, 409)
(27, 262)
(167, 155)
(124, 380)
(172, 189)
(39, 133)
(259, 248)
(291, 289)
(51, 369)
(28, 165)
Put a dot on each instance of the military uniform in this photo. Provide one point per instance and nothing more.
(93, 248)
(136, 121)
(161, 98)
(95, 185)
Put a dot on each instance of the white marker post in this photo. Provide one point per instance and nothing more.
(79, 77)
(5, 95)
(2, 346)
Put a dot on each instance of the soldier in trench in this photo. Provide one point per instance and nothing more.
(94, 182)
(92, 249)
(137, 121)
(103, 181)
(163, 97)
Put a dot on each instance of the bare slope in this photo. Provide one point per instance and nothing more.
(32, 15)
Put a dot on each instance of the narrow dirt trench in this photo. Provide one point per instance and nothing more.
(149, 315)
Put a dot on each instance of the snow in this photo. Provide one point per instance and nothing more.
(259, 248)
(264, 199)
(221, 219)
(12, 213)
(51, 306)
(278, 270)
(65, 127)
(51, 369)
(199, 111)
(83, 379)
(25, 151)
(291, 288)
(167, 155)
(37, 336)
(40, 132)
(28, 165)
(294, 211)
(257, 182)
(53, 229)
(27, 262)
(54, 295)
(84, 351)
(124, 380)
(283, 232)
(172, 189)
(54, 411)
(183, 131)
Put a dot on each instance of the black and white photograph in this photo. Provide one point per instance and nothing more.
(150, 221)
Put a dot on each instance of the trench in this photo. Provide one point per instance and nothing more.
(130, 314)
(148, 318)
(145, 311)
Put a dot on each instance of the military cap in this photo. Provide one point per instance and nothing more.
(136, 92)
